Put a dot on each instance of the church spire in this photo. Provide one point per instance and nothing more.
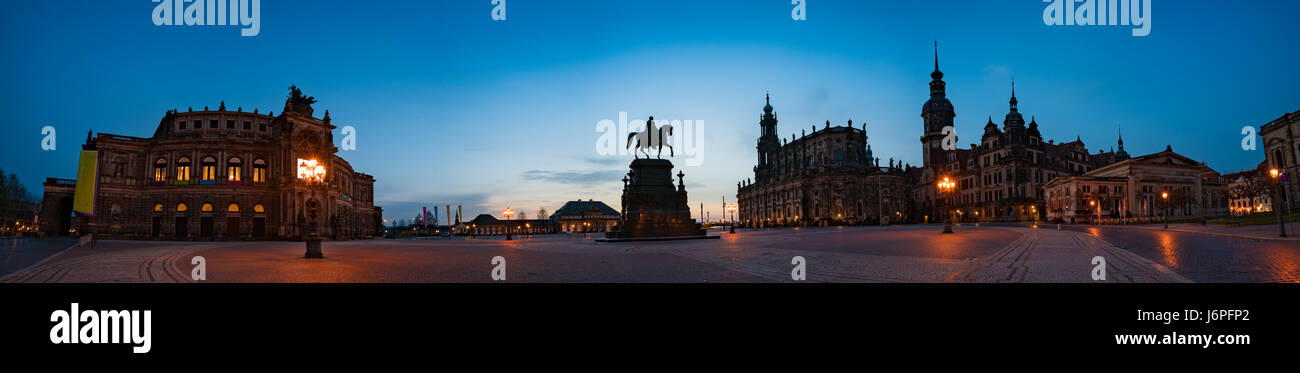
(1013, 101)
(936, 75)
(936, 55)
(1121, 154)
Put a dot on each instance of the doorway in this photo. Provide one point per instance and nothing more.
(205, 227)
(232, 228)
(259, 227)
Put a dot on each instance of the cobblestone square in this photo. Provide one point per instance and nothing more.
(988, 253)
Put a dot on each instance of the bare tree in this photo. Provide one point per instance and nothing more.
(542, 213)
(1253, 187)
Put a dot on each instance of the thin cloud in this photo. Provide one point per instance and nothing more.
(583, 178)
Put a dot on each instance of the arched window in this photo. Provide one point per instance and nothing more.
(181, 207)
(232, 208)
(259, 209)
(259, 171)
(207, 207)
(183, 169)
(233, 168)
(160, 170)
(158, 207)
(209, 169)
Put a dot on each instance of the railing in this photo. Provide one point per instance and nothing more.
(56, 181)
(124, 138)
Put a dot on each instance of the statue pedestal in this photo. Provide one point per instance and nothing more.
(313, 244)
(653, 208)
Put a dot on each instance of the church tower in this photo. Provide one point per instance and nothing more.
(937, 113)
(768, 143)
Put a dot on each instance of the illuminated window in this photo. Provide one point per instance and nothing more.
(158, 208)
(259, 171)
(233, 168)
(183, 169)
(160, 170)
(258, 208)
(232, 208)
(207, 207)
(209, 169)
(181, 207)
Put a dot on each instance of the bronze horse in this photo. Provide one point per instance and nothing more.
(653, 137)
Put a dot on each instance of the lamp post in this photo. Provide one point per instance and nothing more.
(1164, 197)
(508, 213)
(1096, 206)
(945, 187)
(1033, 210)
(732, 209)
(1277, 198)
(312, 174)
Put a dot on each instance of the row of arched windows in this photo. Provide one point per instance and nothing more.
(207, 207)
(208, 169)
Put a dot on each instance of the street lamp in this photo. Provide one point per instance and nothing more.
(1032, 210)
(732, 209)
(1277, 197)
(946, 187)
(312, 174)
(1164, 196)
(1097, 207)
(508, 213)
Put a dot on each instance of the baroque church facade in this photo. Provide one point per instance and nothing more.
(826, 176)
(221, 175)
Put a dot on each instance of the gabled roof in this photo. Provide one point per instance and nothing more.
(1167, 157)
(1280, 121)
(579, 207)
(485, 219)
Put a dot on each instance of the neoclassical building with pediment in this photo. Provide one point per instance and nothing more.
(1142, 189)
(1281, 143)
(221, 175)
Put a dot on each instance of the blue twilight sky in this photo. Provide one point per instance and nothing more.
(454, 108)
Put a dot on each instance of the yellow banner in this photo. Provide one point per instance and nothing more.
(87, 180)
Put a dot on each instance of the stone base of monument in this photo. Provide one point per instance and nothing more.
(653, 208)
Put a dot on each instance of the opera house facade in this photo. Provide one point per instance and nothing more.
(216, 175)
